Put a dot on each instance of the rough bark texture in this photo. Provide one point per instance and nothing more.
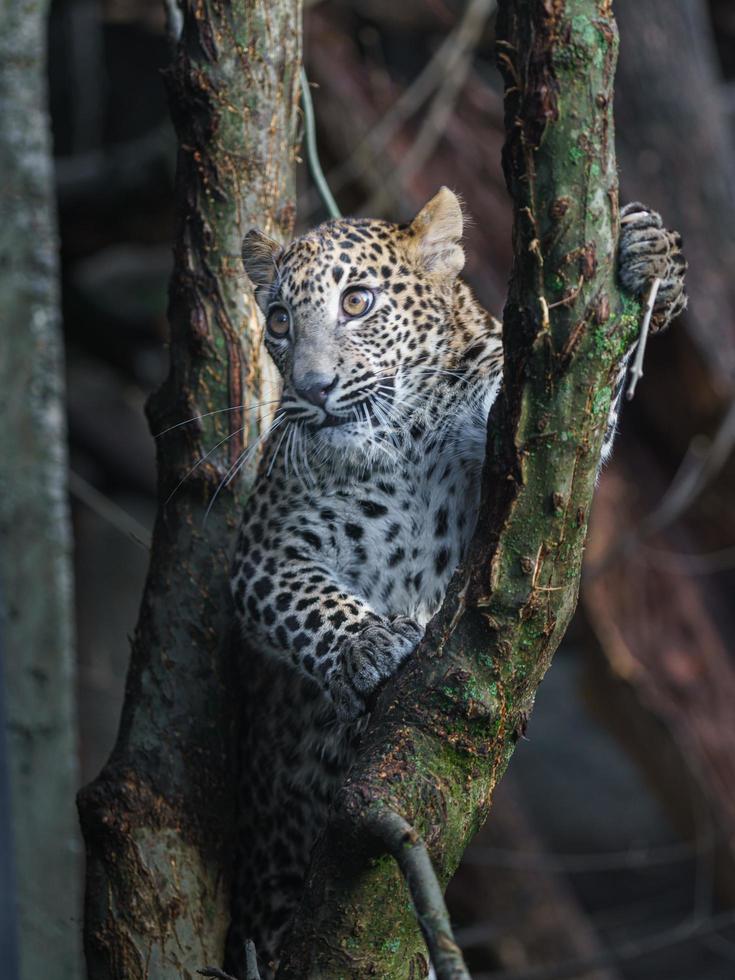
(158, 821)
(443, 733)
(35, 539)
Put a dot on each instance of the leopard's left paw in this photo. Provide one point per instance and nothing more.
(648, 251)
(369, 658)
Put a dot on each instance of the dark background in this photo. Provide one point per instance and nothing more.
(612, 838)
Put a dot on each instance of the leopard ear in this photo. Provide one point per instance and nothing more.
(437, 233)
(260, 255)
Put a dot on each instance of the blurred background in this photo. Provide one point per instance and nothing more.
(610, 853)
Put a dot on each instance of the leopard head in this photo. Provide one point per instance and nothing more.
(359, 317)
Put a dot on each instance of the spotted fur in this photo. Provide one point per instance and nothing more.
(365, 504)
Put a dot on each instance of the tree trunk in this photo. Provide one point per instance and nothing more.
(158, 821)
(35, 540)
(444, 731)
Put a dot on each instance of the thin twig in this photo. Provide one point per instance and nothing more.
(701, 465)
(412, 856)
(313, 153)
(636, 372)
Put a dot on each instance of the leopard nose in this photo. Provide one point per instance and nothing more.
(315, 388)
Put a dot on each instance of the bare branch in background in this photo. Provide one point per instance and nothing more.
(670, 96)
(110, 512)
(447, 69)
(455, 66)
(702, 463)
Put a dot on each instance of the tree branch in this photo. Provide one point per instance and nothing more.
(443, 732)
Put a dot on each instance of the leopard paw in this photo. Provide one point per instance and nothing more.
(648, 251)
(368, 660)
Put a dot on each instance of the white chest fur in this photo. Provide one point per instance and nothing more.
(396, 540)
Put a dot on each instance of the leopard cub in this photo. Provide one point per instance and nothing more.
(365, 503)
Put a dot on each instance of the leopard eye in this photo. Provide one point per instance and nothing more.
(357, 301)
(278, 321)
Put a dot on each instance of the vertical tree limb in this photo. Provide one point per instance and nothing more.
(35, 539)
(443, 732)
(158, 821)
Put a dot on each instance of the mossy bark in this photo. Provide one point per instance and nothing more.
(444, 731)
(158, 821)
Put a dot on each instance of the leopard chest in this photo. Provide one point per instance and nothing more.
(396, 541)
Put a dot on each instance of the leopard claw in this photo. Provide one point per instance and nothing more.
(648, 251)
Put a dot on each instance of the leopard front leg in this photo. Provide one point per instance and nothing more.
(368, 659)
(298, 613)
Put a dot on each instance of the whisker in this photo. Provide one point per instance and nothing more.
(199, 463)
(275, 452)
(219, 411)
(244, 457)
(388, 412)
(292, 451)
(289, 449)
(383, 414)
(241, 460)
(369, 421)
(307, 480)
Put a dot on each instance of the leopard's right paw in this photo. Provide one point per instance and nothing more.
(369, 659)
(648, 251)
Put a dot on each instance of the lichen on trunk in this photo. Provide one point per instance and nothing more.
(444, 731)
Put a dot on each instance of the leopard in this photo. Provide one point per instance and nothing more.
(365, 503)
